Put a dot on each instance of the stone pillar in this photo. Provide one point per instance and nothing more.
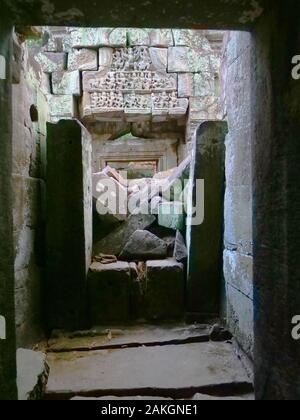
(8, 389)
(205, 240)
(69, 223)
(276, 168)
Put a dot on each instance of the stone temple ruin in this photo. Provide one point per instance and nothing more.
(140, 94)
(92, 95)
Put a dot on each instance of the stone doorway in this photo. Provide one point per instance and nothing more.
(270, 126)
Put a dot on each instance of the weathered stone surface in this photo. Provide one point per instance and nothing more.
(66, 83)
(109, 292)
(205, 108)
(69, 203)
(238, 271)
(143, 246)
(180, 249)
(89, 37)
(83, 59)
(115, 242)
(138, 37)
(51, 62)
(165, 289)
(204, 269)
(204, 84)
(185, 59)
(155, 368)
(167, 235)
(161, 38)
(105, 58)
(172, 215)
(118, 37)
(159, 58)
(32, 375)
(61, 106)
(185, 85)
(178, 60)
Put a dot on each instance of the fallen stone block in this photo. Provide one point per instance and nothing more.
(110, 198)
(180, 249)
(176, 181)
(109, 292)
(114, 243)
(32, 375)
(143, 246)
(165, 290)
(167, 235)
(171, 215)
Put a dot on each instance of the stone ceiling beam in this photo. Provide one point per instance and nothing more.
(193, 14)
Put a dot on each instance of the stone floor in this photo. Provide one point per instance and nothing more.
(144, 362)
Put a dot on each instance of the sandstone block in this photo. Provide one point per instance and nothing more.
(185, 85)
(105, 58)
(61, 106)
(51, 61)
(114, 243)
(118, 37)
(159, 58)
(83, 59)
(109, 292)
(138, 37)
(161, 38)
(204, 84)
(66, 83)
(178, 60)
(143, 246)
(165, 290)
(89, 37)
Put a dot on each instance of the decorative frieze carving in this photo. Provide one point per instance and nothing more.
(129, 81)
(136, 58)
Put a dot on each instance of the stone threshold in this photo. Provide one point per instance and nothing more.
(223, 390)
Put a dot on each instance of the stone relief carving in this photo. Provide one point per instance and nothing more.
(131, 84)
(136, 58)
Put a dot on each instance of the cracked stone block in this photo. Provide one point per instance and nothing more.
(51, 61)
(159, 58)
(193, 39)
(165, 289)
(185, 85)
(138, 37)
(61, 106)
(66, 83)
(109, 287)
(105, 58)
(89, 37)
(32, 375)
(83, 59)
(118, 38)
(171, 215)
(204, 84)
(161, 38)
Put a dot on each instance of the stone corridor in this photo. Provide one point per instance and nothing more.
(149, 211)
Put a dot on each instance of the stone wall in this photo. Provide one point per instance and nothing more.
(28, 187)
(238, 255)
(132, 75)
